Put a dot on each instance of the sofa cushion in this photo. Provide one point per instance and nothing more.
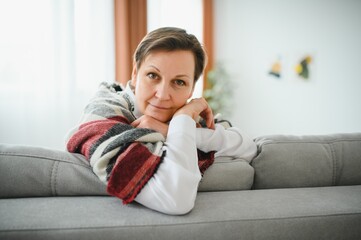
(227, 174)
(307, 161)
(33, 171)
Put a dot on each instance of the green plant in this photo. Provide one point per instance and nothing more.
(219, 91)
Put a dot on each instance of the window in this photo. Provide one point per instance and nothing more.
(53, 56)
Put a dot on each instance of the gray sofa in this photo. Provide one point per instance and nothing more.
(298, 187)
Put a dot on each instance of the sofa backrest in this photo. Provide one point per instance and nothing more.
(282, 162)
(307, 161)
(27, 171)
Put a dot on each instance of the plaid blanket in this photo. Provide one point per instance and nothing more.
(123, 157)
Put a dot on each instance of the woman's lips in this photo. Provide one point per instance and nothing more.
(159, 107)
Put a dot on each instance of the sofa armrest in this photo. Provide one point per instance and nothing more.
(307, 161)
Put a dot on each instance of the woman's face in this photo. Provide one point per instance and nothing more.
(163, 83)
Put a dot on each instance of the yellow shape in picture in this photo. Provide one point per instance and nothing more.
(302, 69)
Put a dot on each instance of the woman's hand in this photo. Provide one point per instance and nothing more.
(196, 108)
(151, 123)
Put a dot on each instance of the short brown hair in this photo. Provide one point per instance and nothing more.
(171, 39)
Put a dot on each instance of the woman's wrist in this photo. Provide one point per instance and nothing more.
(191, 114)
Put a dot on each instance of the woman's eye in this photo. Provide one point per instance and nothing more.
(152, 75)
(180, 82)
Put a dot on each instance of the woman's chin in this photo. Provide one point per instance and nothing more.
(164, 118)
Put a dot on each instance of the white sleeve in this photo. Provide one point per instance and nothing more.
(173, 188)
(229, 142)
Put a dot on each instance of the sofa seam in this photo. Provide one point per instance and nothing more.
(234, 160)
(50, 178)
(56, 178)
(230, 162)
(42, 157)
(334, 163)
(271, 141)
(54, 175)
(183, 224)
(263, 142)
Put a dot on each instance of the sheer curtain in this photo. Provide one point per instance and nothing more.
(53, 55)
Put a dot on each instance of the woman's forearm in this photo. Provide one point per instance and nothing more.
(173, 187)
(230, 142)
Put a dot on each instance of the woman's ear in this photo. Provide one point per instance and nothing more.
(134, 75)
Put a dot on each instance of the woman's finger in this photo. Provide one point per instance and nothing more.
(207, 115)
(135, 123)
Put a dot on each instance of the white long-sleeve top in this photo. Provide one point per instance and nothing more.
(173, 188)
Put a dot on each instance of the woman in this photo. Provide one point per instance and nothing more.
(145, 142)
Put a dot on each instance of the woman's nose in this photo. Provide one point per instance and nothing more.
(163, 91)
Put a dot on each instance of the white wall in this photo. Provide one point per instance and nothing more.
(249, 35)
